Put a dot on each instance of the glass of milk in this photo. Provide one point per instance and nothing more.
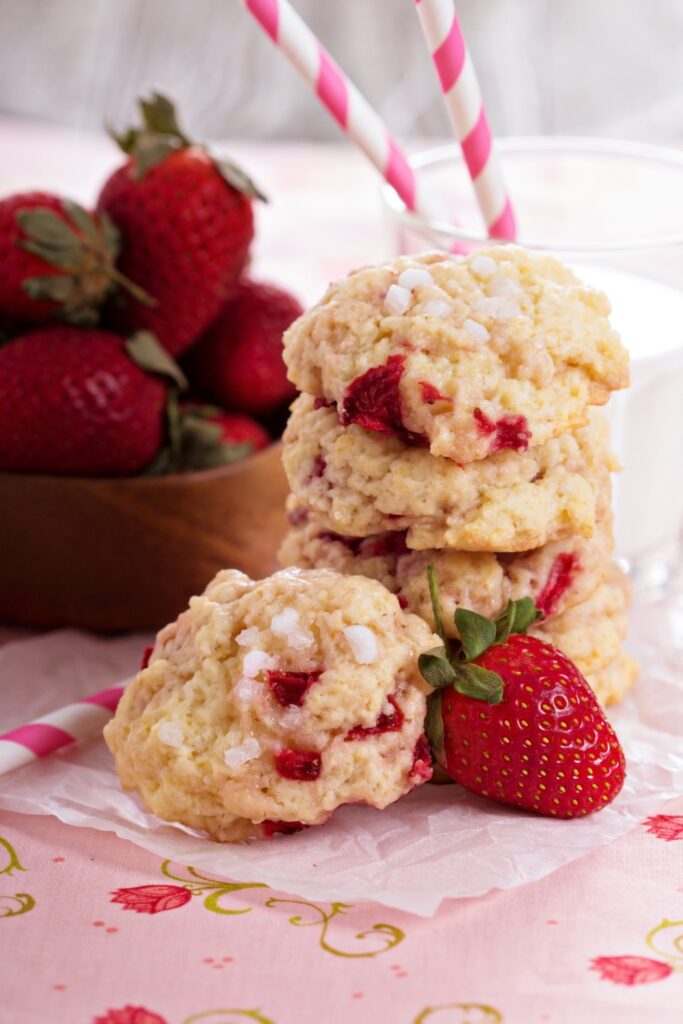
(614, 212)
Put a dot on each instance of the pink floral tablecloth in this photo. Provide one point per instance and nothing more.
(94, 930)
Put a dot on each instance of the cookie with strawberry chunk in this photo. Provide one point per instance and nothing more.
(611, 683)
(558, 575)
(501, 350)
(362, 482)
(591, 633)
(269, 704)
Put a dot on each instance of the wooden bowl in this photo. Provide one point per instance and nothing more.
(127, 554)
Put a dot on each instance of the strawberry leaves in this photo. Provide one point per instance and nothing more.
(434, 726)
(518, 617)
(194, 436)
(145, 350)
(452, 663)
(476, 633)
(160, 135)
(436, 668)
(84, 249)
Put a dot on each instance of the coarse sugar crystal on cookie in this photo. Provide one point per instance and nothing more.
(269, 704)
(362, 482)
(468, 356)
(557, 576)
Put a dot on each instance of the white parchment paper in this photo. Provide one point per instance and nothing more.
(437, 843)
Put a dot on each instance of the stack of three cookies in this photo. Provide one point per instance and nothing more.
(445, 418)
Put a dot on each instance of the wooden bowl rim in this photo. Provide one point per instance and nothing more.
(163, 480)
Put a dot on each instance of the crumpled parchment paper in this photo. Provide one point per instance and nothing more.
(437, 843)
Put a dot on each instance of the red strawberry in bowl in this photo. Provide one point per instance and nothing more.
(74, 403)
(186, 223)
(513, 719)
(238, 362)
(211, 437)
(235, 427)
(56, 260)
(198, 436)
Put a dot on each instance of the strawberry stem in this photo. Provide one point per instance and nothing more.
(436, 604)
(134, 289)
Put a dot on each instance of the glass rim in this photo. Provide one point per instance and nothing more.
(529, 144)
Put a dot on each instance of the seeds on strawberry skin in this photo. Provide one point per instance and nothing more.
(56, 260)
(73, 403)
(186, 224)
(546, 747)
(238, 361)
(513, 719)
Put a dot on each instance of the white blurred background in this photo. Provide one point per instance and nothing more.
(597, 67)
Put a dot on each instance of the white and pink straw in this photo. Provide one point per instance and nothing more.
(466, 112)
(78, 721)
(337, 93)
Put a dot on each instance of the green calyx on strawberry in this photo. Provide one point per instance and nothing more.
(186, 223)
(512, 718)
(160, 135)
(195, 438)
(453, 663)
(59, 260)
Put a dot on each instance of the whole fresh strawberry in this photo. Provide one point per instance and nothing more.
(235, 428)
(57, 261)
(238, 362)
(514, 720)
(74, 403)
(204, 437)
(186, 223)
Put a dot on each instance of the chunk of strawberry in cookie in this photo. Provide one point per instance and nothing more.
(290, 688)
(509, 431)
(387, 722)
(431, 394)
(560, 578)
(373, 401)
(299, 765)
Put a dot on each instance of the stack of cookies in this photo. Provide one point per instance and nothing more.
(445, 418)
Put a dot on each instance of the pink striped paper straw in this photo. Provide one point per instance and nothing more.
(466, 112)
(45, 735)
(336, 92)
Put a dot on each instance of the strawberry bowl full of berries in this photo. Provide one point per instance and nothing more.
(142, 388)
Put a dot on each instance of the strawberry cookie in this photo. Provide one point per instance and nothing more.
(591, 633)
(612, 682)
(501, 350)
(557, 576)
(269, 704)
(362, 482)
